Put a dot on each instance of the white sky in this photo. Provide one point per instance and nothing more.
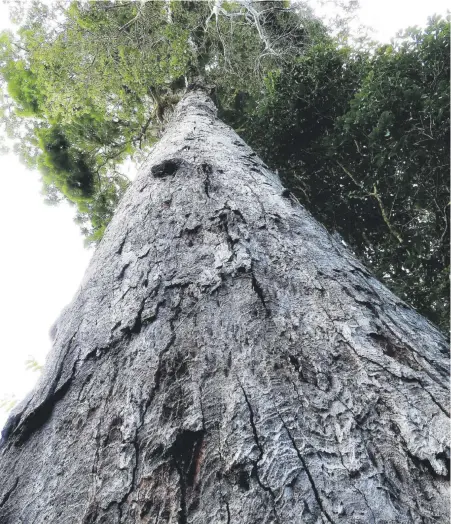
(43, 258)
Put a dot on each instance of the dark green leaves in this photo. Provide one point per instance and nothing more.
(363, 141)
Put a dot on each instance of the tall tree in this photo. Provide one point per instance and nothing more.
(358, 136)
(227, 360)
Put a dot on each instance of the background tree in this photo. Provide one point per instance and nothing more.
(362, 139)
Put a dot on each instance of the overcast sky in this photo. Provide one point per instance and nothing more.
(43, 258)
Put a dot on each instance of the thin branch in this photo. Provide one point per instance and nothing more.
(393, 231)
(376, 195)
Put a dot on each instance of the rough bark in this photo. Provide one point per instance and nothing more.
(227, 360)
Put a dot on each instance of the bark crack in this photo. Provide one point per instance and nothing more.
(91, 512)
(207, 170)
(444, 372)
(262, 207)
(123, 500)
(402, 378)
(307, 471)
(259, 291)
(9, 492)
(228, 512)
(224, 220)
(255, 473)
(358, 421)
(186, 453)
(378, 314)
(443, 456)
(148, 402)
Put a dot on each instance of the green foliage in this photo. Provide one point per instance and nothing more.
(22, 87)
(96, 80)
(63, 165)
(362, 138)
(359, 134)
(31, 364)
(395, 137)
(7, 403)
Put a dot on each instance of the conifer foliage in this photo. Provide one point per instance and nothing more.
(359, 135)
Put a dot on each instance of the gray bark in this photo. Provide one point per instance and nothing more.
(227, 360)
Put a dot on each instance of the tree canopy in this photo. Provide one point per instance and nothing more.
(360, 135)
(362, 139)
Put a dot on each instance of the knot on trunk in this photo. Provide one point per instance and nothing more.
(167, 167)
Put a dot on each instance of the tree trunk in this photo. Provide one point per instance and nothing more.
(227, 360)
